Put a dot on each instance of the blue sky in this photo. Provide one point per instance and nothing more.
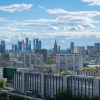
(66, 21)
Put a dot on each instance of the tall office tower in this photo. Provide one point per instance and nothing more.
(34, 46)
(29, 46)
(58, 49)
(2, 47)
(55, 48)
(37, 44)
(23, 46)
(72, 47)
(43, 52)
(19, 46)
(96, 47)
(26, 44)
(13, 48)
(16, 48)
(2, 42)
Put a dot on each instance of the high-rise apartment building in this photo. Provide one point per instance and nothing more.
(79, 49)
(33, 59)
(42, 51)
(71, 62)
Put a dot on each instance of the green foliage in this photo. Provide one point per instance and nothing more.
(91, 69)
(66, 73)
(49, 62)
(2, 83)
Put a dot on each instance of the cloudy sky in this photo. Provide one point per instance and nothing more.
(66, 21)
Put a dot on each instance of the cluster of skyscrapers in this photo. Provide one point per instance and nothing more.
(26, 45)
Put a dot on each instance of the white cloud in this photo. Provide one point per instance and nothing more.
(16, 7)
(10, 28)
(53, 28)
(41, 7)
(42, 20)
(92, 2)
(65, 20)
(62, 12)
(77, 20)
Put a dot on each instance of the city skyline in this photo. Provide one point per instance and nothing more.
(63, 20)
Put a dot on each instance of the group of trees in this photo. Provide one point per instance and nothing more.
(91, 69)
(66, 73)
(49, 62)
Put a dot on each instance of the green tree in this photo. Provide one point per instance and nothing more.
(66, 73)
(2, 83)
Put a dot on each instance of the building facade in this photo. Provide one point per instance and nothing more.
(79, 49)
(71, 62)
(32, 59)
(43, 52)
(49, 85)
(97, 47)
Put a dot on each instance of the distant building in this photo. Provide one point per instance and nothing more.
(71, 62)
(58, 49)
(97, 47)
(37, 44)
(34, 46)
(13, 48)
(79, 49)
(23, 45)
(42, 51)
(34, 59)
(29, 46)
(16, 48)
(26, 44)
(90, 49)
(2, 47)
(72, 47)
(55, 48)
(20, 46)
